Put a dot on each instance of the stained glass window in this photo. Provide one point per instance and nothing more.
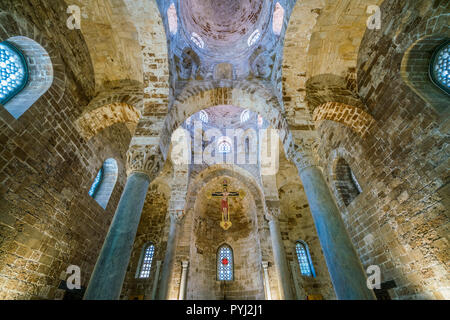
(225, 263)
(440, 67)
(304, 260)
(13, 72)
(146, 263)
(97, 182)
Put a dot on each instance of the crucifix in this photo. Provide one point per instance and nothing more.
(225, 194)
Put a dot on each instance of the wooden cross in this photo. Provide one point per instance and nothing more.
(225, 194)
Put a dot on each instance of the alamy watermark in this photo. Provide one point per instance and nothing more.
(237, 146)
(73, 281)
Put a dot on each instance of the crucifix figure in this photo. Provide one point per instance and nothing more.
(225, 194)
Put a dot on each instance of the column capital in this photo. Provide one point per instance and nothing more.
(273, 209)
(185, 264)
(265, 264)
(302, 157)
(144, 159)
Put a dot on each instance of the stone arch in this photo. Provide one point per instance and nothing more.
(355, 118)
(248, 241)
(92, 122)
(243, 95)
(203, 177)
(46, 69)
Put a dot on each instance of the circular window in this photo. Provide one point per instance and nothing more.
(440, 67)
(13, 72)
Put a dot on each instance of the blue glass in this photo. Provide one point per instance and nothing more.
(303, 260)
(147, 261)
(97, 182)
(225, 264)
(440, 67)
(13, 72)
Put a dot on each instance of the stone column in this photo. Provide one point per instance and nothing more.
(156, 280)
(184, 265)
(346, 271)
(175, 220)
(143, 164)
(265, 265)
(279, 255)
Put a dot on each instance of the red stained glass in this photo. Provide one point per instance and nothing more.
(225, 261)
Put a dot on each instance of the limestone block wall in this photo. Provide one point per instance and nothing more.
(47, 219)
(400, 220)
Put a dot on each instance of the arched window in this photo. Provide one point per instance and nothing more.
(26, 73)
(146, 261)
(304, 259)
(253, 38)
(440, 67)
(278, 17)
(225, 263)
(104, 182)
(224, 145)
(13, 71)
(172, 18)
(195, 38)
(347, 186)
(203, 116)
(245, 115)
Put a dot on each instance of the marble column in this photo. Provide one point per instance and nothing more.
(265, 265)
(143, 164)
(346, 271)
(279, 255)
(184, 265)
(176, 217)
(156, 280)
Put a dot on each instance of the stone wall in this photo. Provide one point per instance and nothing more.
(400, 220)
(48, 221)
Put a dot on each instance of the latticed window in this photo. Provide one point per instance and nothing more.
(146, 264)
(440, 67)
(245, 115)
(204, 116)
(253, 38)
(304, 260)
(13, 72)
(225, 263)
(97, 182)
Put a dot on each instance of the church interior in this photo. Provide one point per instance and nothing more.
(224, 150)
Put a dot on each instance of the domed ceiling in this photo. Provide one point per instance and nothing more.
(224, 25)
